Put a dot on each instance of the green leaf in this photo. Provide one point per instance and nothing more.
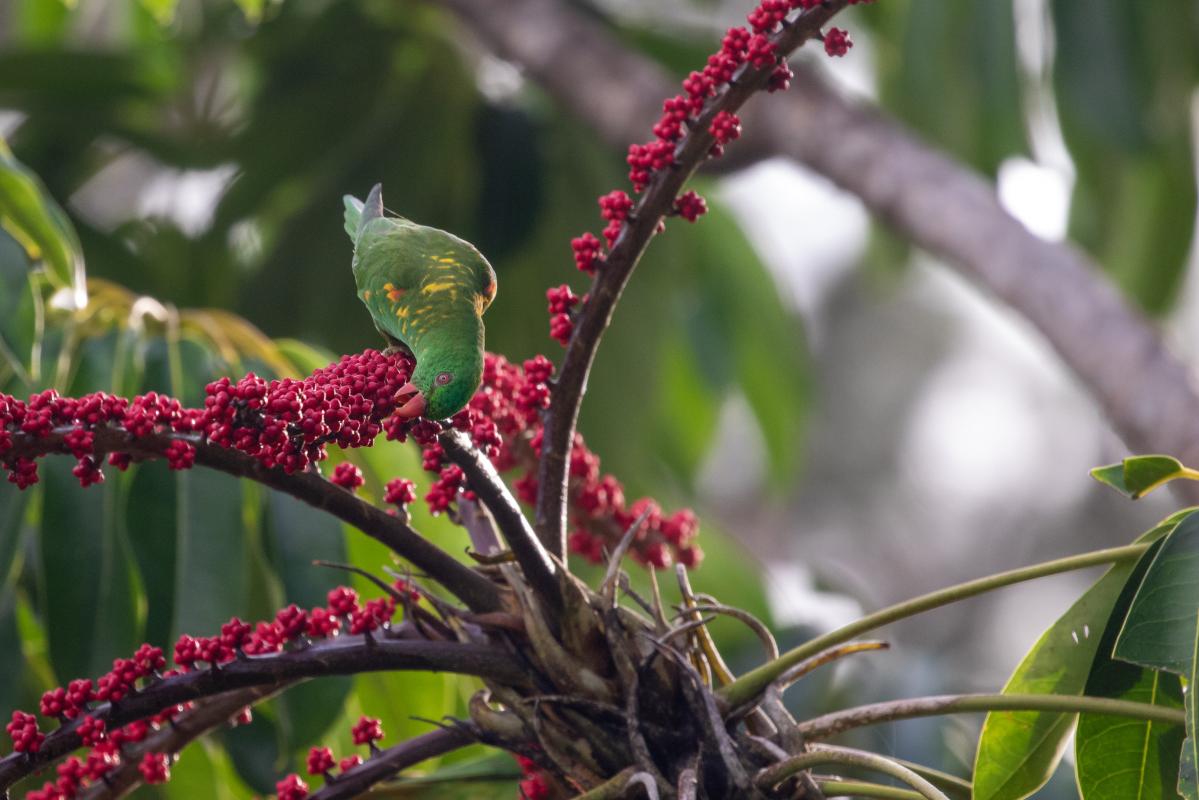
(254, 750)
(1139, 475)
(163, 11)
(89, 588)
(1018, 751)
(765, 343)
(251, 8)
(1124, 759)
(1162, 626)
(298, 534)
(1188, 784)
(211, 566)
(29, 213)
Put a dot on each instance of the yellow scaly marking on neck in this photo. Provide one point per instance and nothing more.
(442, 286)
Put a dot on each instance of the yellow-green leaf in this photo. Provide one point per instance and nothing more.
(40, 226)
(1139, 475)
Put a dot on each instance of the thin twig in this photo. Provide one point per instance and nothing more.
(751, 684)
(847, 719)
(483, 479)
(825, 754)
(388, 763)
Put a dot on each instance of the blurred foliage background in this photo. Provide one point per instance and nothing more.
(853, 425)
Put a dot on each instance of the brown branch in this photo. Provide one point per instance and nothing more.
(474, 589)
(614, 273)
(344, 655)
(928, 198)
(482, 478)
(387, 763)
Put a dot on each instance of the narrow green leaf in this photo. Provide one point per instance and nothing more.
(1139, 475)
(210, 565)
(1124, 759)
(1188, 784)
(254, 750)
(12, 659)
(40, 225)
(1018, 751)
(1161, 627)
(298, 534)
(89, 599)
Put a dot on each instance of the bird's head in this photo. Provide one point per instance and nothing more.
(441, 385)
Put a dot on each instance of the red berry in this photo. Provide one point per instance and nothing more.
(347, 476)
(837, 42)
(367, 730)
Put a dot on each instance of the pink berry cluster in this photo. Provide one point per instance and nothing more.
(282, 423)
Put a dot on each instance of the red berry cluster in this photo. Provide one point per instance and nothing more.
(155, 767)
(511, 398)
(284, 423)
(749, 48)
(690, 206)
(288, 422)
(290, 624)
(837, 42)
(399, 492)
(561, 306)
(347, 476)
(291, 788)
(26, 738)
(535, 784)
(367, 731)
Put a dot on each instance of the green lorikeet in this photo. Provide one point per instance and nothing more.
(426, 291)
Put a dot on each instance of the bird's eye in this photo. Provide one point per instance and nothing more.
(443, 378)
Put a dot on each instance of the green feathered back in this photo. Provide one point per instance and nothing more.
(427, 290)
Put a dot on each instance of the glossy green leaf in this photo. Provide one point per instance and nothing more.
(255, 752)
(12, 657)
(29, 213)
(89, 586)
(1188, 783)
(1162, 627)
(765, 344)
(1137, 476)
(1018, 751)
(1121, 758)
(297, 535)
(210, 557)
(950, 70)
(1123, 77)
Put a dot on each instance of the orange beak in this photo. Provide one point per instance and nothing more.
(410, 402)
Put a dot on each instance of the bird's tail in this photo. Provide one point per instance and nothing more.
(358, 213)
